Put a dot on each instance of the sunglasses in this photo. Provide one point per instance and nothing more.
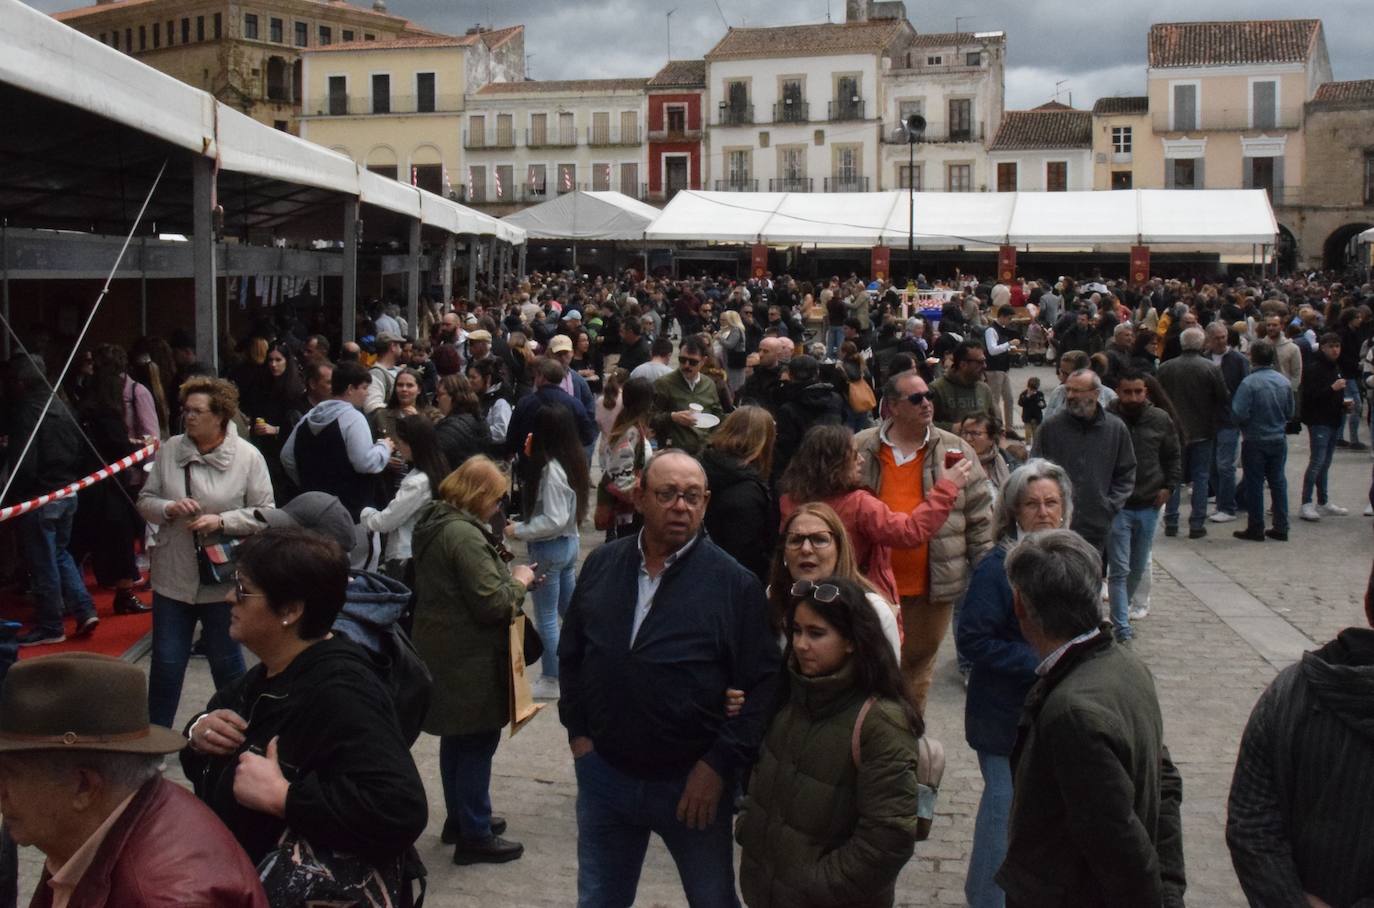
(916, 398)
(821, 592)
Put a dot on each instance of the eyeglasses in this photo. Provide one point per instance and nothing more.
(817, 540)
(242, 593)
(821, 592)
(916, 398)
(193, 411)
(668, 496)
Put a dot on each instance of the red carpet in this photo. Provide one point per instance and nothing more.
(114, 637)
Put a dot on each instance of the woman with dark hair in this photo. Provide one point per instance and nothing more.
(417, 444)
(828, 468)
(280, 407)
(550, 533)
(494, 393)
(626, 451)
(1144, 352)
(461, 433)
(307, 743)
(855, 370)
(830, 817)
(741, 516)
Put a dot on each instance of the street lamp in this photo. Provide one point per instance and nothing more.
(910, 131)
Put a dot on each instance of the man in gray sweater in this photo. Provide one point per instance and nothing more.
(1199, 394)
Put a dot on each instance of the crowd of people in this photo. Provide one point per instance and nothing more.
(802, 488)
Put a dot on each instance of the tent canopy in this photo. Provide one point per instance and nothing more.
(586, 216)
(1367, 236)
(1152, 217)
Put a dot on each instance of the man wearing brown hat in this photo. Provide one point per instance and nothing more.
(81, 780)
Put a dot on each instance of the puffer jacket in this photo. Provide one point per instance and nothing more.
(967, 533)
(231, 481)
(815, 830)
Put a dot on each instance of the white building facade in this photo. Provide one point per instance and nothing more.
(1048, 149)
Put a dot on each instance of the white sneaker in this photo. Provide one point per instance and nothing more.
(545, 688)
(1369, 510)
(1309, 512)
(1331, 510)
(1222, 517)
(1139, 611)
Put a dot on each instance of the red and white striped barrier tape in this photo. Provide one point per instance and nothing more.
(103, 473)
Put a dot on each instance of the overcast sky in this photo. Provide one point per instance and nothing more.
(1095, 54)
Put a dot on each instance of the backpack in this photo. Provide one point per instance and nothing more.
(930, 769)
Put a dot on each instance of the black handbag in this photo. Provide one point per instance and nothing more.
(215, 561)
(297, 874)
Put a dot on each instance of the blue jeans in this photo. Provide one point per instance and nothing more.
(1352, 393)
(557, 559)
(1321, 441)
(1197, 464)
(465, 772)
(1263, 460)
(989, 833)
(1227, 447)
(615, 814)
(174, 626)
(834, 336)
(57, 585)
(1128, 558)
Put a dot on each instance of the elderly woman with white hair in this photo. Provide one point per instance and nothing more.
(1037, 496)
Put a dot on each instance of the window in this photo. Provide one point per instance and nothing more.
(1006, 176)
(629, 179)
(200, 28)
(477, 131)
(677, 119)
(736, 111)
(792, 165)
(792, 108)
(218, 27)
(959, 177)
(505, 130)
(848, 104)
(424, 93)
(302, 34)
(601, 177)
(539, 129)
(185, 32)
(381, 93)
(1264, 104)
(281, 126)
(567, 177)
(368, 36)
(567, 132)
(326, 36)
(274, 30)
(102, 38)
(1121, 179)
(935, 61)
(429, 177)
(250, 26)
(538, 180)
(973, 58)
(348, 34)
(738, 165)
(157, 34)
(505, 182)
(960, 119)
(847, 165)
(906, 109)
(1183, 173)
(1262, 173)
(601, 132)
(338, 96)
(129, 40)
(171, 31)
(1121, 140)
(1057, 176)
(477, 183)
(909, 177)
(1369, 177)
(142, 38)
(1185, 107)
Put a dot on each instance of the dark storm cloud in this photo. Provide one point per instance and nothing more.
(1097, 53)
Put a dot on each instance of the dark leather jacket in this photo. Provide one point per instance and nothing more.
(166, 849)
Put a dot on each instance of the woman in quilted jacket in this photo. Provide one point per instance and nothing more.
(830, 817)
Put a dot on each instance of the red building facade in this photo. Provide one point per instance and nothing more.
(676, 128)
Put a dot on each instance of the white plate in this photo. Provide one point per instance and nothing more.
(707, 420)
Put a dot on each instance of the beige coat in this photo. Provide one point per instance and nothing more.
(967, 533)
(231, 481)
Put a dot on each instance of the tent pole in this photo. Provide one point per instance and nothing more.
(203, 259)
(413, 278)
(448, 268)
(472, 267)
(5, 280)
(142, 286)
(348, 299)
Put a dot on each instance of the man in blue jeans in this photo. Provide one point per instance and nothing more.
(1198, 392)
(1262, 407)
(1234, 367)
(660, 626)
(1324, 405)
(52, 461)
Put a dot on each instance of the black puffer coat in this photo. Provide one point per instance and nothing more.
(742, 517)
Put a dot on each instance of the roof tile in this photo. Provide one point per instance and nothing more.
(1362, 90)
(956, 39)
(810, 40)
(1174, 44)
(1031, 129)
(680, 74)
(1128, 105)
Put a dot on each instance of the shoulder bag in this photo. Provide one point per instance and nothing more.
(930, 769)
(215, 561)
(297, 874)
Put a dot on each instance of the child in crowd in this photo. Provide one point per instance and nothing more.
(1032, 401)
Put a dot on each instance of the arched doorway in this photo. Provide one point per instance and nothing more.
(382, 160)
(1338, 252)
(1286, 251)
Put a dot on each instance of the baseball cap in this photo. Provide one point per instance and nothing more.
(572, 314)
(318, 511)
(480, 334)
(561, 343)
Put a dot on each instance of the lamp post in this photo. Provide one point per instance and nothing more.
(912, 129)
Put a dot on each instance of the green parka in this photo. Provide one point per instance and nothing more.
(466, 600)
(816, 831)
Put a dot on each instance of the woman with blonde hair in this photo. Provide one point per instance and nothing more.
(741, 516)
(731, 340)
(466, 600)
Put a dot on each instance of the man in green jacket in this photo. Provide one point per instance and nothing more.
(961, 392)
(1095, 804)
(682, 398)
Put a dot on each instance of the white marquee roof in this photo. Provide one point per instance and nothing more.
(586, 216)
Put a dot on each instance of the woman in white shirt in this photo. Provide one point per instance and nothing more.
(551, 530)
(417, 445)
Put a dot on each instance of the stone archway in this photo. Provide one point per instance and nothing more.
(1339, 249)
(1286, 251)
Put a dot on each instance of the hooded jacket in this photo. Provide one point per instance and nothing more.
(800, 408)
(1300, 818)
(331, 450)
(741, 517)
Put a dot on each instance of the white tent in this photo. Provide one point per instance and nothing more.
(1367, 236)
(972, 220)
(586, 216)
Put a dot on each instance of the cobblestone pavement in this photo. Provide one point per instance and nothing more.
(1208, 677)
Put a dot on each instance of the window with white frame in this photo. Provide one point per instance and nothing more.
(1185, 106)
(567, 177)
(601, 177)
(629, 179)
(909, 177)
(424, 93)
(1121, 140)
(537, 181)
(959, 177)
(738, 163)
(505, 182)
(477, 183)
(1264, 104)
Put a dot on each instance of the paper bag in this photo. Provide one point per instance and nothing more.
(522, 705)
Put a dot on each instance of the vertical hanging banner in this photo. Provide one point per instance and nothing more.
(1140, 265)
(758, 260)
(1006, 263)
(880, 263)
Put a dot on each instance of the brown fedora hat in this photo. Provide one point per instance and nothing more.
(80, 701)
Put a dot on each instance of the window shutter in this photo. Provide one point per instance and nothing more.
(1169, 181)
(1278, 177)
(1247, 173)
(1198, 181)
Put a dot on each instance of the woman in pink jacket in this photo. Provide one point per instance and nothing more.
(827, 468)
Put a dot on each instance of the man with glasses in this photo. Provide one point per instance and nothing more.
(685, 400)
(1069, 363)
(660, 626)
(901, 460)
(962, 392)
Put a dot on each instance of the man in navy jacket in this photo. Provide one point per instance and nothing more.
(659, 627)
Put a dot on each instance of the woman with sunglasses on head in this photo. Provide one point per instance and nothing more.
(830, 816)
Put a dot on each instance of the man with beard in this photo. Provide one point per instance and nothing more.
(1094, 448)
(760, 388)
(1158, 471)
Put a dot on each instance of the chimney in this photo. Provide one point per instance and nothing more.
(857, 10)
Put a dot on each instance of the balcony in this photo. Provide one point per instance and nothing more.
(851, 109)
(938, 136)
(788, 111)
(551, 138)
(489, 138)
(606, 136)
(1225, 120)
(737, 184)
(791, 184)
(669, 134)
(361, 105)
(846, 184)
(534, 194)
(736, 114)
